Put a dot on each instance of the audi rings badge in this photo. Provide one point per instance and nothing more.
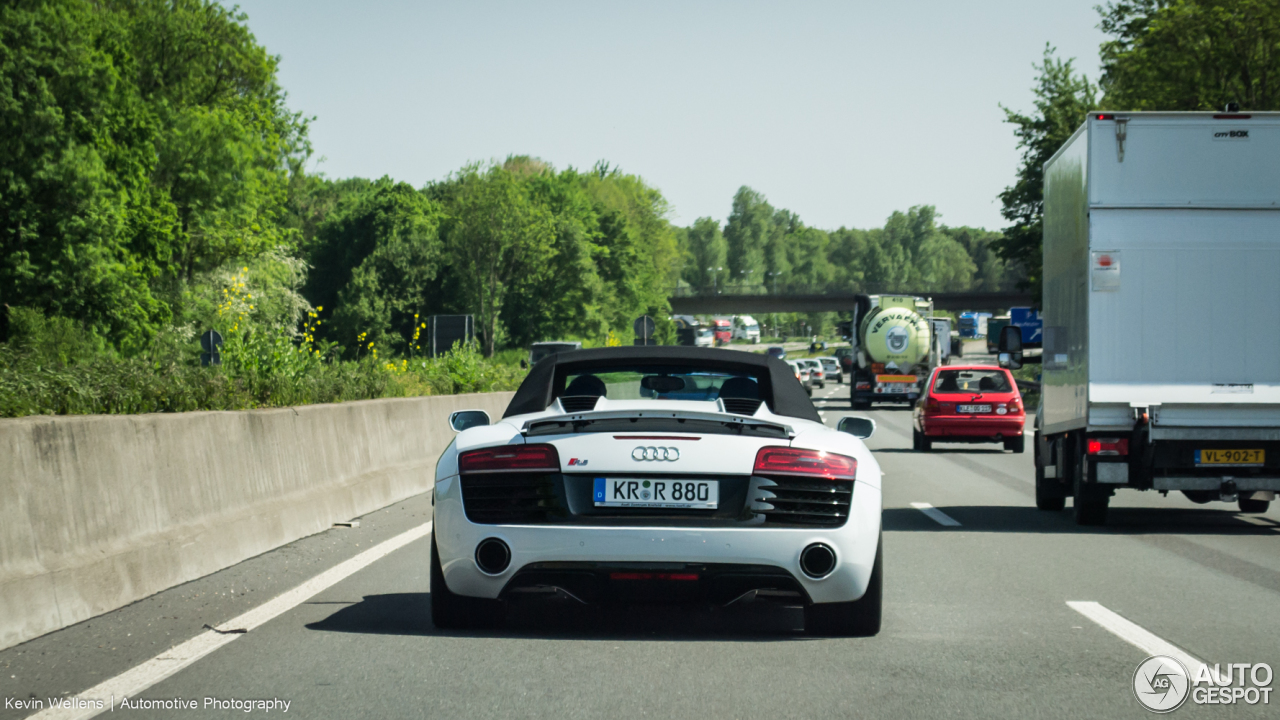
(655, 454)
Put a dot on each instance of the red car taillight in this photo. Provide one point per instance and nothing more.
(1108, 446)
(932, 406)
(508, 458)
(810, 463)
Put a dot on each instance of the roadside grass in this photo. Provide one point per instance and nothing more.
(49, 368)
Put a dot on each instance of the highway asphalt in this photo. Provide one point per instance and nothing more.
(976, 620)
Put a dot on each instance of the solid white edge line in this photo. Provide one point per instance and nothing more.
(935, 514)
(1134, 634)
(135, 680)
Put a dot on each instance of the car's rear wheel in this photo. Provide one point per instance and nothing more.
(1017, 444)
(925, 444)
(859, 618)
(459, 612)
(1248, 505)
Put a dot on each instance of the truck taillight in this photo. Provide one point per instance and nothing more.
(809, 463)
(509, 458)
(1108, 446)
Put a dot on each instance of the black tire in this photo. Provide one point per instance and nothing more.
(1254, 506)
(1049, 495)
(459, 612)
(915, 440)
(1017, 445)
(859, 618)
(926, 445)
(1090, 504)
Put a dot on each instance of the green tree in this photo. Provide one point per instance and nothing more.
(82, 234)
(375, 260)
(1191, 54)
(493, 234)
(707, 250)
(746, 234)
(1063, 99)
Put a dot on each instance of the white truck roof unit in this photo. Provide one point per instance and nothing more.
(1162, 272)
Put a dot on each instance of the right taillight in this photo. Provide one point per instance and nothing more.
(508, 458)
(1108, 446)
(810, 463)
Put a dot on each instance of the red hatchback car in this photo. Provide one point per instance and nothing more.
(970, 403)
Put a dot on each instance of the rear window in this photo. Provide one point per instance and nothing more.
(963, 381)
(661, 383)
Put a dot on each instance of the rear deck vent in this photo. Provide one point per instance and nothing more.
(741, 406)
(579, 403)
(502, 498)
(801, 501)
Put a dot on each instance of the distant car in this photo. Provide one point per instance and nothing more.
(540, 350)
(720, 484)
(803, 375)
(776, 351)
(970, 404)
(845, 356)
(831, 369)
(817, 375)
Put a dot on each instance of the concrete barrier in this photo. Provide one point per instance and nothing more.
(100, 511)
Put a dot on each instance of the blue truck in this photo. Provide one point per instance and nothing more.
(973, 324)
(1032, 327)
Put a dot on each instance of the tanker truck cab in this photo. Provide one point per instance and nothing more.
(893, 342)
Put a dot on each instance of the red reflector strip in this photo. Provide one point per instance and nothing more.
(1108, 446)
(523, 458)
(652, 576)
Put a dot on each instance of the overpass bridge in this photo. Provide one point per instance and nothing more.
(703, 302)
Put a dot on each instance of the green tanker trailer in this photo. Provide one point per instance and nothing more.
(891, 349)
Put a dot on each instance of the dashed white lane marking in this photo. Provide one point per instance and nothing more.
(936, 515)
(1134, 634)
(135, 680)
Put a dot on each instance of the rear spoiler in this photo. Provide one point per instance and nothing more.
(618, 420)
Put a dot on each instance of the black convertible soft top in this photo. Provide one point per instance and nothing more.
(776, 380)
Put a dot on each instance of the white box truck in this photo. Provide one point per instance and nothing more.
(1161, 349)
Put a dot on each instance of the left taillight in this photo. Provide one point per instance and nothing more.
(510, 458)
(809, 463)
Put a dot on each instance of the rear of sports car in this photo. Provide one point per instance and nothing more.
(672, 497)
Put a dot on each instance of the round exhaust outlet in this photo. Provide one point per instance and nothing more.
(817, 561)
(492, 556)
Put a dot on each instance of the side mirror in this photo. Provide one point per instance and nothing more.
(1010, 347)
(859, 427)
(464, 419)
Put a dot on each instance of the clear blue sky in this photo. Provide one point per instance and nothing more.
(839, 111)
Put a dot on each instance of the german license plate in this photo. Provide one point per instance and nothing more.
(973, 408)
(895, 388)
(650, 493)
(1234, 458)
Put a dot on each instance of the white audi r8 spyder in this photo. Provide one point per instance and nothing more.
(659, 474)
